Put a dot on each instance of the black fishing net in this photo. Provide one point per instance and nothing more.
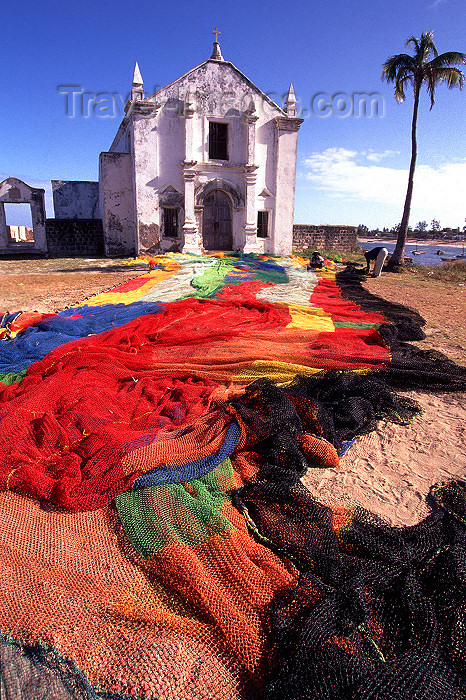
(336, 405)
(379, 612)
(410, 367)
(32, 672)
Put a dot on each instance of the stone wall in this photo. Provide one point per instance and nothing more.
(79, 238)
(324, 237)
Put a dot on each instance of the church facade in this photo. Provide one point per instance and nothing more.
(206, 163)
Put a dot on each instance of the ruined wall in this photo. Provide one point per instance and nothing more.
(67, 238)
(13, 190)
(75, 199)
(118, 205)
(310, 236)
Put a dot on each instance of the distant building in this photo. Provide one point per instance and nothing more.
(206, 163)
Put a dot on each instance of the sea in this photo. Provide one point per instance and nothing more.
(427, 257)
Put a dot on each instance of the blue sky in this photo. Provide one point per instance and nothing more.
(351, 169)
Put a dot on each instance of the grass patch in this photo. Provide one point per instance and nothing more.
(450, 272)
(355, 256)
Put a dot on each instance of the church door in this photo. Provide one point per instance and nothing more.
(217, 231)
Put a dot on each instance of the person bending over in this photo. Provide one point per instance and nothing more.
(378, 255)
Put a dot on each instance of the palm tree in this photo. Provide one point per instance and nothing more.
(427, 67)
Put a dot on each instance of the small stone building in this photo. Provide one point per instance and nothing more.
(15, 191)
(206, 163)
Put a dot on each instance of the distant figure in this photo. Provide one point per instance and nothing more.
(378, 255)
(316, 261)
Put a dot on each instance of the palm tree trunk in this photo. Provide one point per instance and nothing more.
(397, 261)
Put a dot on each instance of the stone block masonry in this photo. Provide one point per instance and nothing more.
(326, 237)
(68, 238)
(85, 237)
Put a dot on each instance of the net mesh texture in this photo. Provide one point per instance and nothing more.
(157, 541)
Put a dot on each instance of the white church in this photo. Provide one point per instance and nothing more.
(206, 163)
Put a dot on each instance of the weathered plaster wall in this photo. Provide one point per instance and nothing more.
(75, 199)
(266, 158)
(340, 237)
(117, 202)
(217, 91)
(169, 132)
(146, 182)
(287, 142)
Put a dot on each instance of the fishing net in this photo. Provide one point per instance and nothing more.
(53, 330)
(75, 590)
(97, 412)
(156, 538)
(378, 612)
(410, 366)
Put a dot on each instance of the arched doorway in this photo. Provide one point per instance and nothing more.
(217, 233)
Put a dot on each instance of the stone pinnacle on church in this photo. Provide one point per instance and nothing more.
(290, 102)
(216, 53)
(137, 77)
(137, 90)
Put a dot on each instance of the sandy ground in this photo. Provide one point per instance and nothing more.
(52, 285)
(391, 470)
(388, 471)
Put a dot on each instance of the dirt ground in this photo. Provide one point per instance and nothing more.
(443, 306)
(388, 471)
(53, 285)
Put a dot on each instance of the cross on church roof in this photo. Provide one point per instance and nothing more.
(216, 53)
